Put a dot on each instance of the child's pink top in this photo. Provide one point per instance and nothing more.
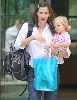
(61, 38)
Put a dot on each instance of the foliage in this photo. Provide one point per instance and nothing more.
(14, 9)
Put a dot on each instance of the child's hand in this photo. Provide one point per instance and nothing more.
(52, 43)
(56, 44)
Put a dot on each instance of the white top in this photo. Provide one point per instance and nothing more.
(35, 48)
(10, 36)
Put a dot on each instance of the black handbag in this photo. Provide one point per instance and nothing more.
(20, 64)
(16, 62)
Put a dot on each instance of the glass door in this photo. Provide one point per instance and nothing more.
(11, 11)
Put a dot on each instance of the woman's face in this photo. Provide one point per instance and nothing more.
(43, 14)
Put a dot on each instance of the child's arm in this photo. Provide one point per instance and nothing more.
(62, 44)
(66, 43)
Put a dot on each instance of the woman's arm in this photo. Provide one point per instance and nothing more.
(22, 41)
(26, 41)
(37, 37)
(60, 53)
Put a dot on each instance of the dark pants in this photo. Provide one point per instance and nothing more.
(37, 95)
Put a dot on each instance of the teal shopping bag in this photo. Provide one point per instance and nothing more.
(45, 72)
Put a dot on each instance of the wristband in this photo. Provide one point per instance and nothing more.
(57, 53)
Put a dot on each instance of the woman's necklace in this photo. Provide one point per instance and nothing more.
(40, 30)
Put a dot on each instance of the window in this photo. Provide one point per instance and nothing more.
(72, 14)
(72, 7)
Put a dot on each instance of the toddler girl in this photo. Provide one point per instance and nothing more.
(61, 40)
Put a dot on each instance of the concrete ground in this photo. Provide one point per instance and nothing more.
(12, 93)
(11, 90)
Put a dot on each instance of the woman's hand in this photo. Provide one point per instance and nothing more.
(39, 38)
(53, 50)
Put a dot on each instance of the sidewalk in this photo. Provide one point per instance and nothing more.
(7, 80)
(11, 89)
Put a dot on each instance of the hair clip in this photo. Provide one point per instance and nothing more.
(38, 5)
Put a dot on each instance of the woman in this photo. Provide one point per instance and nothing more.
(43, 31)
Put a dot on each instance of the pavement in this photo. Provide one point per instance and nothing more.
(11, 89)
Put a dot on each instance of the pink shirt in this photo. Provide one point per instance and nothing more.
(61, 38)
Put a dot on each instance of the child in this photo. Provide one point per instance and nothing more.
(61, 40)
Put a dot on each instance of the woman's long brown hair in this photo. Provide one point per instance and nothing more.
(50, 19)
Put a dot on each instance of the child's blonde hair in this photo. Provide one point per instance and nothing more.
(64, 21)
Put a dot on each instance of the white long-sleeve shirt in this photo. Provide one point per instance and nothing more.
(34, 48)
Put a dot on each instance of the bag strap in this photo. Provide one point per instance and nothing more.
(30, 29)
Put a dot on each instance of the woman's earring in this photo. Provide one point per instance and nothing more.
(49, 17)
